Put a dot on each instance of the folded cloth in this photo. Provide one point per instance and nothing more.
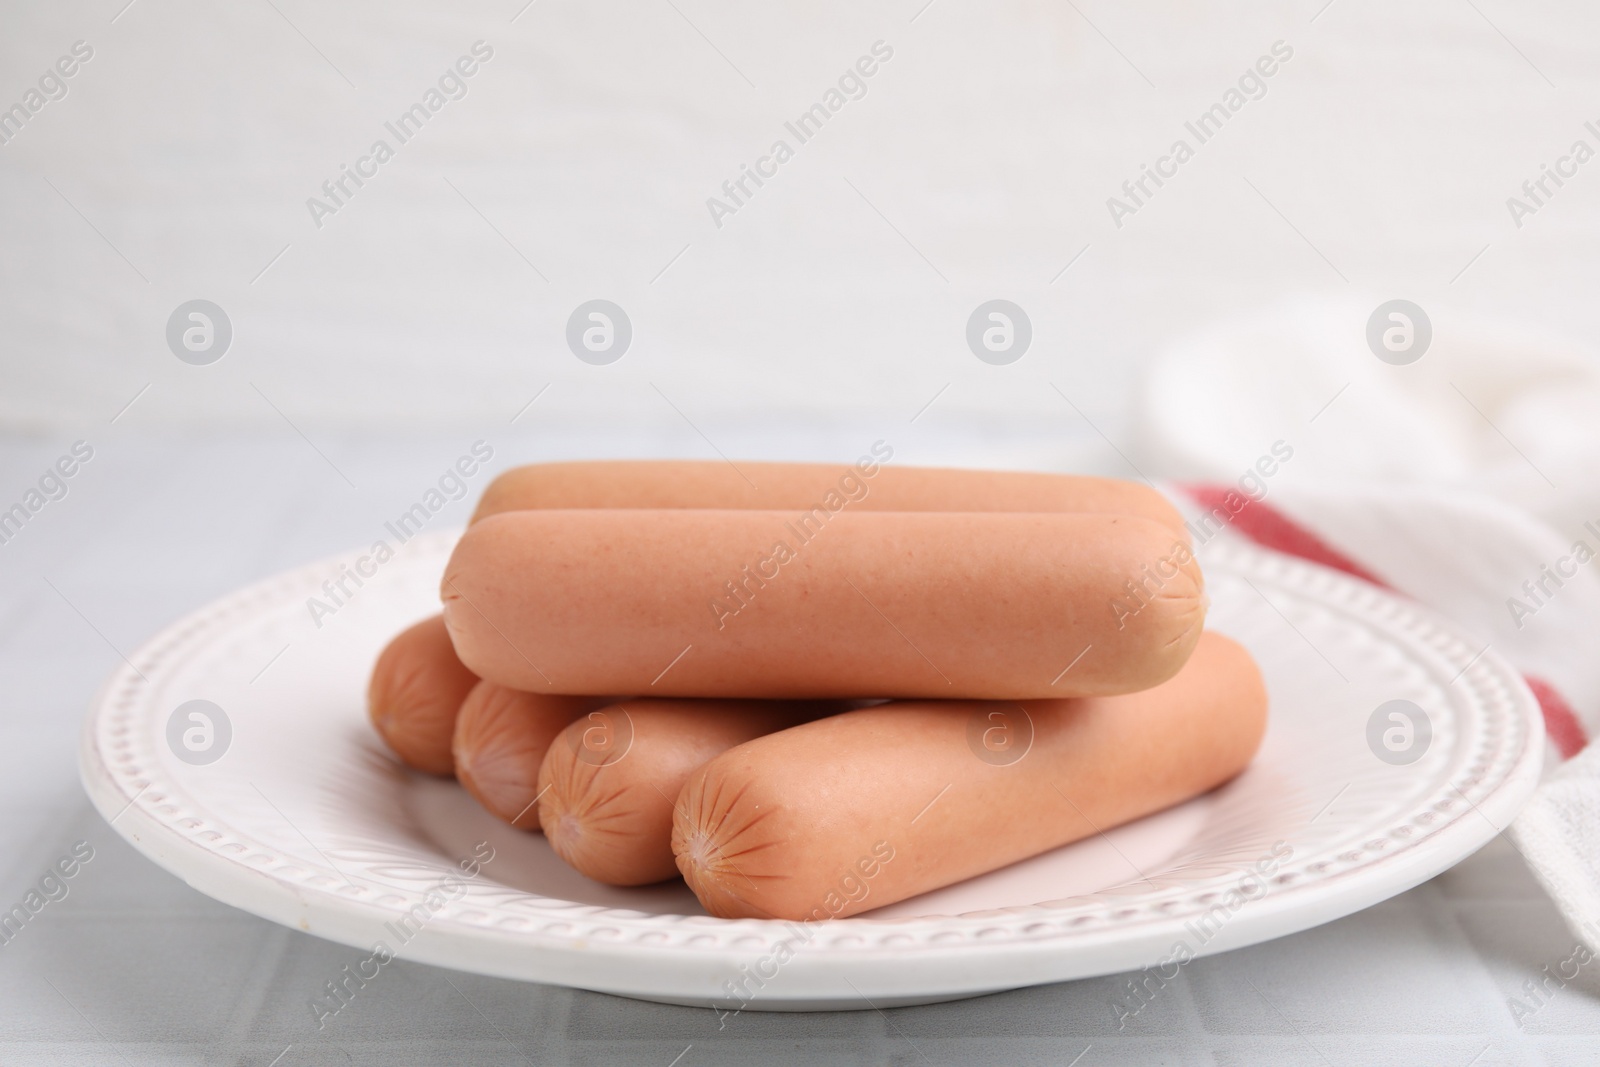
(1468, 480)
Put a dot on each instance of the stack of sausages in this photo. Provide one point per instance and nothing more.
(813, 690)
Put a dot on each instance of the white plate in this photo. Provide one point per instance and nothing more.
(307, 821)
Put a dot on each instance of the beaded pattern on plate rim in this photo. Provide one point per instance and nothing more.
(125, 727)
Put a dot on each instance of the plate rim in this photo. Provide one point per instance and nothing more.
(595, 957)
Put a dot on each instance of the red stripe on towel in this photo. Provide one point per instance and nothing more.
(1561, 723)
(1271, 528)
(1266, 525)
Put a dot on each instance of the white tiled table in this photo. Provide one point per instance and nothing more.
(135, 967)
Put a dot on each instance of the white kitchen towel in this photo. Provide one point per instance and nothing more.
(1467, 479)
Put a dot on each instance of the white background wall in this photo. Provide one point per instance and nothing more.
(179, 164)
